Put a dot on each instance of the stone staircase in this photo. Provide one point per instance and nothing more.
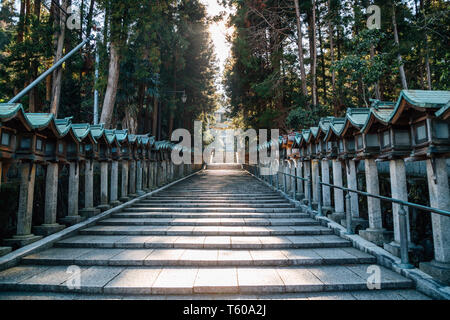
(218, 232)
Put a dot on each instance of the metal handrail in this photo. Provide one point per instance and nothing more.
(403, 225)
(393, 200)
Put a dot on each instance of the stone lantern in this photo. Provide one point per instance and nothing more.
(104, 157)
(12, 122)
(395, 145)
(125, 154)
(321, 154)
(331, 139)
(312, 152)
(114, 147)
(423, 113)
(61, 148)
(133, 144)
(88, 154)
(18, 134)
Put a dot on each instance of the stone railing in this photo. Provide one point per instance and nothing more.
(140, 163)
(416, 128)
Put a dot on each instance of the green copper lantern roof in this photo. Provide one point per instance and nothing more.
(444, 112)
(357, 116)
(40, 120)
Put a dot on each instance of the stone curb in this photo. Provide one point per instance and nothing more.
(12, 259)
(424, 283)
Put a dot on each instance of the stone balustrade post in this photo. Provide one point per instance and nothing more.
(132, 185)
(315, 175)
(375, 233)
(51, 202)
(437, 174)
(104, 203)
(89, 210)
(145, 176)
(115, 184)
(300, 189)
(307, 174)
(23, 235)
(339, 203)
(124, 187)
(326, 191)
(399, 190)
(139, 190)
(352, 183)
(73, 216)
(292, 178)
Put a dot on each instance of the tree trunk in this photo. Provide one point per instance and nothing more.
(155, 117)
(314, 54)
(377, 84)
(399, 57)
(21, 25)
(333, 72)
(300, 49)
(111, 89)
(60, 19)
(35, 61)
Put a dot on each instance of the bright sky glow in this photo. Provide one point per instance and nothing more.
(219, 31)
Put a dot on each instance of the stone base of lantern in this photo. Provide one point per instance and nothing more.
(47, 229)
(124, 199)
(141, 193)
(89, 212)
(104, 207)
(357, 224)
(327, 211)
(5, 251)
(21, 241)
(115, 203)
(377, 236)
(394, 248)
(72, 220)
(437, 270)
(337, 216)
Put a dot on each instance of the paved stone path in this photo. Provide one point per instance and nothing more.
(217, 233)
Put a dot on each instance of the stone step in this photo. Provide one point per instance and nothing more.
(207, 222)
(205, 231)
(364, 295)
(211, 204)
(189, 280)
(126, 214)
(219, 194)
(207, 242)
(211, 209)
(198, 257)
(223, 166)
(190, 200)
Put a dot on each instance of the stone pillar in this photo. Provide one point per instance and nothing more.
(51, 203)
(151, 176)
(89, 209)
(104, 203)
(145, 176)
(182, 171)
(339, 202)
(23, 235)
(292, 179)
(315, 180)
(74, 182)
(440, 199)
(399, 191)
(300, 189)
(375, 233)
(132, 185)
(326, 191)
(307, 175)
(352, 183)
(115, 184)
(139, 178)
(124, 188)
